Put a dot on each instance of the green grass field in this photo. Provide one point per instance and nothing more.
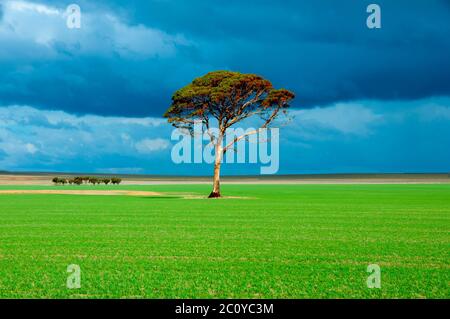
(286, 241)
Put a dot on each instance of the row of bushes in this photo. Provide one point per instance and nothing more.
(86, 180)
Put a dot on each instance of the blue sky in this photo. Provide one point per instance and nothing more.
(91, 99)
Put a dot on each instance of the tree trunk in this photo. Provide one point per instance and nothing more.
(216, 182)
(216, 179)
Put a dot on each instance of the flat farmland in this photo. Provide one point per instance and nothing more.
(262, 241)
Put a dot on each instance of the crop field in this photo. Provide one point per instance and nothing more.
(264, 241)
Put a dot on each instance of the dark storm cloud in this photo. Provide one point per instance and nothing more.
(320, 49)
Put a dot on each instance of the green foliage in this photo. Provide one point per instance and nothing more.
(79, 180)
(228, 97)
(116, 181)
(94, 180)
(59, 181)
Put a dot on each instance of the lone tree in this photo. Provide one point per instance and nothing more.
(225, 98)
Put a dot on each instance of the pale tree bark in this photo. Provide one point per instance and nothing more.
(217, 163)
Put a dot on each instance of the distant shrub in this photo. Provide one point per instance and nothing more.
(79, 180)
(94, 180)
(59, 181)
(116, 181)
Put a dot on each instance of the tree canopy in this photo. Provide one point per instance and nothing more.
(229, 97)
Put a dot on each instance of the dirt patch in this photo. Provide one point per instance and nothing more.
(82, 192)
(212, 199)
(109, 193)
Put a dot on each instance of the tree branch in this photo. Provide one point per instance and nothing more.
(268, 121)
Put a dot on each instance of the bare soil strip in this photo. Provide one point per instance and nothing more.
(30, 179)
(108, 193)
(83, 192)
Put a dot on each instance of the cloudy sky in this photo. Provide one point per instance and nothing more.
(92, 99)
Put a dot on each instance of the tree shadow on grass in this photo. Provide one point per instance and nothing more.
(160, 197)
